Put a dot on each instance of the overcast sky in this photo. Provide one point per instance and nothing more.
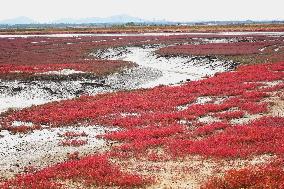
(173, 10)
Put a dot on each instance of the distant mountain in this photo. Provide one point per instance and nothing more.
(18, 20)
(113, 19)
(117, 19)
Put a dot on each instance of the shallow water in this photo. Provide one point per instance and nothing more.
(142, 34)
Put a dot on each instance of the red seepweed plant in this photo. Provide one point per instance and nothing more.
(94, 170)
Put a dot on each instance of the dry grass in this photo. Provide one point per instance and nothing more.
(143, 29)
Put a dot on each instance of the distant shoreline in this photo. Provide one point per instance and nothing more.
(148, 29)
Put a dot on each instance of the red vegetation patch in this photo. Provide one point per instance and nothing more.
(71, 138)
(73, 142)
(94, 66)
(255, 138)
(72, 134)
(23, 128)
(230, 115)
(210, 129)
(215, 49)
(146, 133)
(253, 177)
(23, 57)
(73, 156)
(93, 170)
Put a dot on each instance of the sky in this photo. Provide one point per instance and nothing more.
(171, 10)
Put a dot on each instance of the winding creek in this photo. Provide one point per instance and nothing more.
(152, 70)
(169, 70)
